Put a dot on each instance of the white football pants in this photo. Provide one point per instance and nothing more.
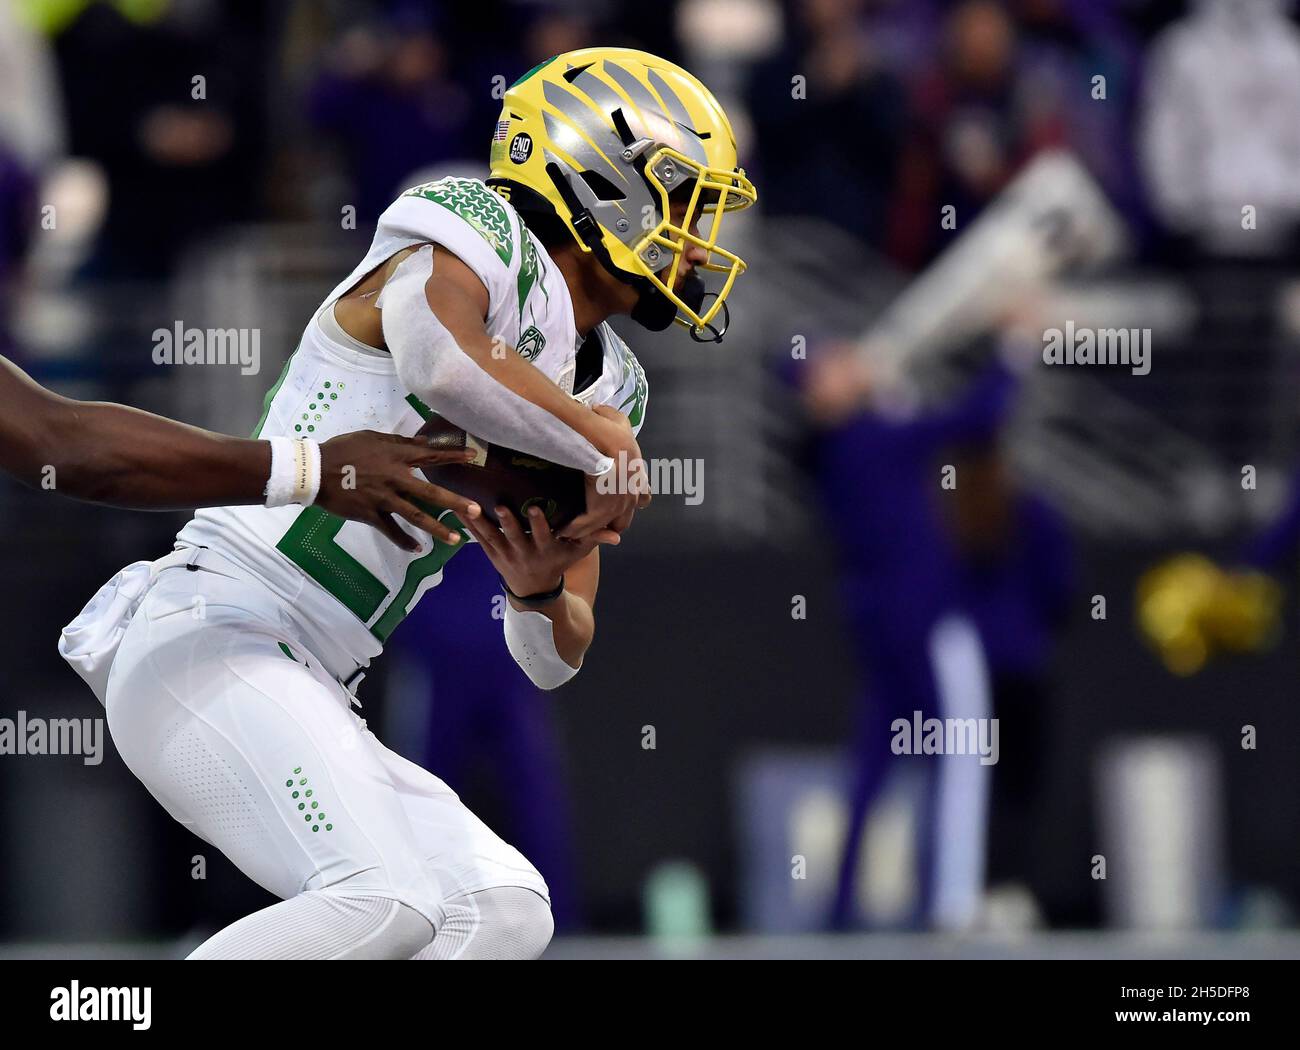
(217, 707)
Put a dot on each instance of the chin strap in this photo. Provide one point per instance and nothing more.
(694, 295)
(653, 310)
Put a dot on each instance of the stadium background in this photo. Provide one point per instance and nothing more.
(233, 211)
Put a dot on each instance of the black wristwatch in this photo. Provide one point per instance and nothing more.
(541, 598)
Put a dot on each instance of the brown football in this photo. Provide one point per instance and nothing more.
(505, 476)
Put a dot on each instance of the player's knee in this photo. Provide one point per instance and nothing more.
(409, 932)
(541, 927)
(524, 924)
(415, 898)
(380, 927)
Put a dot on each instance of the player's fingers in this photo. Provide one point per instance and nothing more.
(599, 538)
(541, 528)
(437, 496)
(610, 412)
(408, 450)
(576, 550)
(487, 534)
(510, 526)
(426, 523)
(639, 485)
(416, 452)
(621, 523)
(385, 524)
(586, 523)
(581, 527)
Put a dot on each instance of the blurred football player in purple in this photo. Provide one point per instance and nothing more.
(951, 594)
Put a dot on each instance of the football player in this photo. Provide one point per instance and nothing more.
(105, 453)
(229, 691)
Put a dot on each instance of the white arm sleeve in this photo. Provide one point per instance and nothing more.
(435, 369)
(530, 637)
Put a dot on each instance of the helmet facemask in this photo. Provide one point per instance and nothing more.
(709, 195)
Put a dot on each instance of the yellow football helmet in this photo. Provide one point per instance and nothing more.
(1189, 609)
(601, 139)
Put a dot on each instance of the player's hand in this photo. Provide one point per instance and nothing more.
(532, 563)
(367, 476)
(613, 499)
(837, 385)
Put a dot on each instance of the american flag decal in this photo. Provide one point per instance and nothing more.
(499, 135)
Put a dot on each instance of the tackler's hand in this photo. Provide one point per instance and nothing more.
(368, 476)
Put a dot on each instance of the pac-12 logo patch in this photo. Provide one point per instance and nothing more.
(521, 147)
(530, 343)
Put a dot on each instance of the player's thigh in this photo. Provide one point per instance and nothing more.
(461, 852)
(259, 754)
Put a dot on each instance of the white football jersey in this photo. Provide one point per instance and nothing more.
(342, 581)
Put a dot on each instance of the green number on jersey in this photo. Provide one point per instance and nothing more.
(311, 544)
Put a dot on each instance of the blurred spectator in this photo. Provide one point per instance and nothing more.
(553, 33)
(1219, 140)
(388, 101)
(17, 223)
(1064, 45)
(965, 139)
(903, 32)
(31, 139)
(1274, 547)
(31, 115)
(998, 95)
(1220, 126)
(182, 156)
(827, 142)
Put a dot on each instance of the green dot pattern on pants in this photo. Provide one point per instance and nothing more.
(308, 817)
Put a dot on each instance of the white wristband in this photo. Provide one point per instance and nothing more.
(295, 472)
(530, 637)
